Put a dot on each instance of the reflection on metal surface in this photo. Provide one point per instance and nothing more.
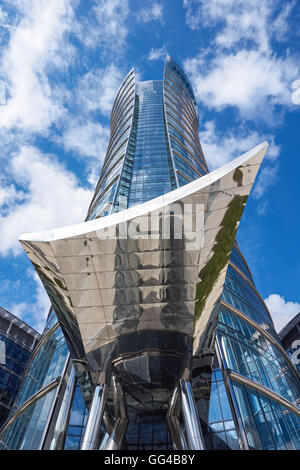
(104, 441)
(147, 302)
(177, 435)
(116, 436)
(190, 416)
(93, 428)
(62, 418)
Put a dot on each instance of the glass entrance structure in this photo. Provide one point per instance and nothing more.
(172, 343)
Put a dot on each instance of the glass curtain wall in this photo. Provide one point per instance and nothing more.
(254, 400)
(264, 384)
(165, 152)
(27, 423)
(17, 341)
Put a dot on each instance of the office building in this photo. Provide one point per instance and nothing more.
(290, 339)
(172, 344)
(17, 341)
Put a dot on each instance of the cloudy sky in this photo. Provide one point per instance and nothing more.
(61, 64)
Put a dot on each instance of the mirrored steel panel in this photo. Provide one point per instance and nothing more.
(144, 285)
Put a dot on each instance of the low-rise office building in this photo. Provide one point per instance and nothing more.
(290, 339)
(17, 341)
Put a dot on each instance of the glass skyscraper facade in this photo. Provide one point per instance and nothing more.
(238, 383)
(154, 145)
(33, 407)
(49, 411)
(17, 341)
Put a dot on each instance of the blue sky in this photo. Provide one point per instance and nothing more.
(61, 64)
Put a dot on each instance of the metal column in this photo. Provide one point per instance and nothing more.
(176, 432)
(190, 416)
(115, 440)
(93, 427)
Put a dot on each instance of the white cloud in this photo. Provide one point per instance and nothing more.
(97, 89)
(241, 69)
(296, 94)
(9, 195)
(34, 313)
(37, 44)
(248, 80)
(220, 148)
(254, 21)
(112, 17)
(267, 178)
(36, 191)
(52, 198)
(263, 207)
(88, 139)
(153, 13)
(281, 311)
(3, 18)
(159, 53)
(105, 26)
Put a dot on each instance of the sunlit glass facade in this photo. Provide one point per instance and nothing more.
(17, 341)
(242, 388)
(49, 411)
(154, 145)
(250, 347)
(152, 171)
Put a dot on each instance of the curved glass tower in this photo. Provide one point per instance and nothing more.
(165, 326)
(154, 145)
(251, 369)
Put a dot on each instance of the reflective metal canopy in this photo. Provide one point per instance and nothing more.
(142, 287)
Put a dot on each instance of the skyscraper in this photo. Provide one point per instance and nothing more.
(17, 341)
(171, 341)
(154, 145)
